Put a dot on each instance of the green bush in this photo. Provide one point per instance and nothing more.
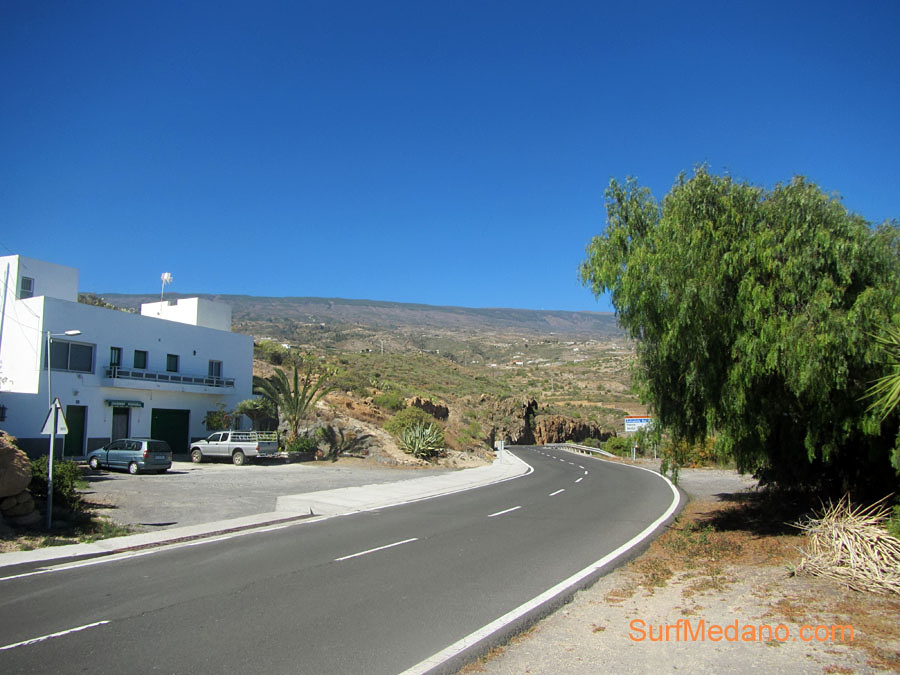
(618, 445)
(303, 444)
(406, 418)
(390, 400)
(422, 440)
(893, 525)
(67, 479)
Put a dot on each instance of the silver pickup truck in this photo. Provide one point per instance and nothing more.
(239, 445)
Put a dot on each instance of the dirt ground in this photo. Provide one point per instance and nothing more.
(726, 564)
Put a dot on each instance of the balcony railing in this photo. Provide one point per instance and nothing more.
(116, 373)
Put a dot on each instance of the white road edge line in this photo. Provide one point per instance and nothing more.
(373, 550)
(485, 631)
(553, 494)
(500, 513)
(52, 635)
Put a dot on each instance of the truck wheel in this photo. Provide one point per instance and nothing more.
(133, 468)
(238, 458)
(196, 456)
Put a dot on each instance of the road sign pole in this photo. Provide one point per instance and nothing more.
(54, 411)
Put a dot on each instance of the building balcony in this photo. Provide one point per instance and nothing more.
(148, 379)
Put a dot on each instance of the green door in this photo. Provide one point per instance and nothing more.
(74, 445)
(173, 427)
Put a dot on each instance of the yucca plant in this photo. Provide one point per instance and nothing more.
(422, 440)
(294, 401)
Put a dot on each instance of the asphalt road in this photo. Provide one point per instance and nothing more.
(374, 592)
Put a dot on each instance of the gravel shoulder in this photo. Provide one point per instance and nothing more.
(615, 625)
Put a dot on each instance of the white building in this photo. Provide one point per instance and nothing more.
(156, 374)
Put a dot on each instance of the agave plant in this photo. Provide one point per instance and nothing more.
(422, 440)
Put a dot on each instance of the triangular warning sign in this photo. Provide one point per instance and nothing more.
(61, 427)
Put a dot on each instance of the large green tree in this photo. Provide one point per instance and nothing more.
(753, 311)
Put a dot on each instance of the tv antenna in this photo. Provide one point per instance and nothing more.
(166, 278)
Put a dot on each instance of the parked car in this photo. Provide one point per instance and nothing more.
(134, 454)
(240, 446)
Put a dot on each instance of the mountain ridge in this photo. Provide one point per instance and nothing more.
(250, 310)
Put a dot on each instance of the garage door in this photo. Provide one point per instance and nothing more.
(172, 426)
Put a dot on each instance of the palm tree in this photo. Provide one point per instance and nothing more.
(293, 400)
(886, 389)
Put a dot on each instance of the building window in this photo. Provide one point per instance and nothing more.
(74, 356)
(26, 289)
(215, 369)
(140, 359)
(115, 357)
(172, 363)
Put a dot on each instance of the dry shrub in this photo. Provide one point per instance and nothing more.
(850, 545)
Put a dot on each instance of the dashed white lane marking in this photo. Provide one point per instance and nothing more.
(485, 631)
(585, 473)
(52, 635)
(580, 479)
(553, 494)
(500, 513)
(373, 550)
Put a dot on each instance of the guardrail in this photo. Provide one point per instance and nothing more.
(583, 449)
(150, 376)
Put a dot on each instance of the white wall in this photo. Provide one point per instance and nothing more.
(105, 328)
(193, 311)
(50, 279)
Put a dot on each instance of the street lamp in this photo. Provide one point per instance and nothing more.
(54, 411)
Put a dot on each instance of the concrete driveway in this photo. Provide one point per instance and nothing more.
(192, 494)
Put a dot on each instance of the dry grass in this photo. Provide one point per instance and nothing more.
(701, 545)
(712, 545)
(852, 546)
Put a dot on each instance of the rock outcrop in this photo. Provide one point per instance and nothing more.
(437, 410)
(558, 429)
(16, 503)
(517, 421)
(15, 467)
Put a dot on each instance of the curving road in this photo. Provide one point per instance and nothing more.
(414, 588)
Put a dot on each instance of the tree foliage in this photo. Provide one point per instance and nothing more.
(294, 399)
(753, 312)
(261, 412)
(406, 418)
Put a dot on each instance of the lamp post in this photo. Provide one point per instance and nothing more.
(54, 412)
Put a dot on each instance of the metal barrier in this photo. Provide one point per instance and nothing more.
(583, 449)
(116, 373)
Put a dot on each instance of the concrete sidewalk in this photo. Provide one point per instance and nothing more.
(289, 508)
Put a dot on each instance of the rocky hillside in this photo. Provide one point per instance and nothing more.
(521, 376)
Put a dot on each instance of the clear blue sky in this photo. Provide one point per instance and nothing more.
(449, 153)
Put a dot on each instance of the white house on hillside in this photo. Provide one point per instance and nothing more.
(155, 375)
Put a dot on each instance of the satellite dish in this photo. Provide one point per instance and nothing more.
(166, 278)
